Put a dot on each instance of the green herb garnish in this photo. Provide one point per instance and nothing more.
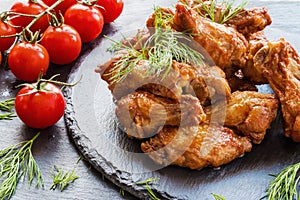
(159, 50)
(227, 9)
(62, 179)
(148, 187)
(284, 186)
(122, 192)
(17, 162)
(218, 197)
(7, 105)
(162, 19)
(7, 116)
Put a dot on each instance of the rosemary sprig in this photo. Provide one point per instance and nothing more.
(62, 179)
(17, 162)
(284, 186)
(227, 11)
(218, 197)
(7, 105)
(148, 187)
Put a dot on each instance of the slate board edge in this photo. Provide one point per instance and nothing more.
(120, 178)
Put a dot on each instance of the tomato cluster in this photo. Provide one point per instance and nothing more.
(36, 34)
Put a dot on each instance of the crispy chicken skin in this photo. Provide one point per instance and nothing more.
(247, 21)
(250, 21)
(170, 86)
(280, 64)
(196, 147)
(225, 45)
(253, 72)
(143, 114)
(237, 80)
(248, 113)
(205, 82)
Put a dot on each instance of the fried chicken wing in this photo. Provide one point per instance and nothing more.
(143, 114)
(247, 113)
(247, 21)
(251, 71)
(196, 147)
(169, 86)
(225, 45)
(280, 64)
(205, 82)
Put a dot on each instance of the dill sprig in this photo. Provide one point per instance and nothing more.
(61, 179)
(284, 186)
(17, 162)
(7, 116)
(159, 50)
(228, 9)
(148, 187)
(7, 105)
(168, 46)
(218, 197)
(162, 19)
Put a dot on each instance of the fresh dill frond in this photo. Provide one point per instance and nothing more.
(148, 187)
(114, 47)
(61, 179)
(122, 192)
(7, 105)
(218, 197)
(231, 11)
(162, 19)
(17, 162)
(126, 64)
(285, 184)
(167, 46)
(159, 50)
(227, 9)
(7, 116)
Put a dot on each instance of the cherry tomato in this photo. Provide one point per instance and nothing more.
(111, 10)
(32, 9)
(87, 20)
(62, 7)
(6, 29)
(26, 61)
(40, 108)
(63, 44)
(0, 58)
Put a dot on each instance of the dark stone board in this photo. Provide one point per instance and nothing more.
(93, 125)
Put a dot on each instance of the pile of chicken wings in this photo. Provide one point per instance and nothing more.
(209, 115)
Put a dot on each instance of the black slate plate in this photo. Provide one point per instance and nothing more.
(92, 124)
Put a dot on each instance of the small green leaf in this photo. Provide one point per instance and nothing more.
(61, 179)
(218, 197)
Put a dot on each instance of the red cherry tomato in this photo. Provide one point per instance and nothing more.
(6, 29)
(26, 61)
(111, 10)
(63, 44)
(62, 7)
(32, 9)
(40, 109)
(87, 20)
